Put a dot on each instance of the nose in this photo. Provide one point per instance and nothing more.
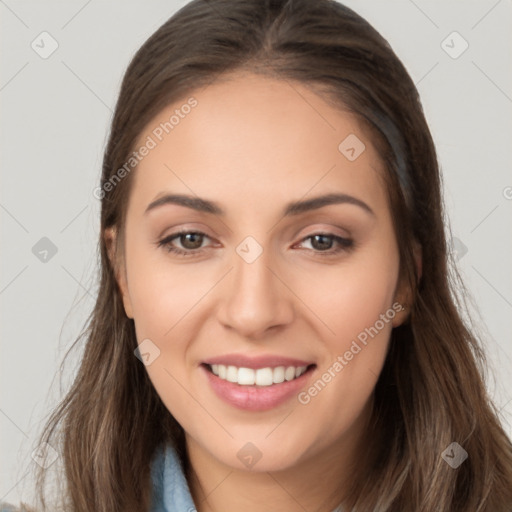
(256, 298)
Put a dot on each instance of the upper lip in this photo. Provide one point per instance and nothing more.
(255, 362)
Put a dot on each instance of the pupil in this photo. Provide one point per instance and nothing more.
(193, 245)
(326, 244)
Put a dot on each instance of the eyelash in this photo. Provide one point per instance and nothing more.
(344, 244)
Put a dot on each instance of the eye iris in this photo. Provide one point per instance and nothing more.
(325, 242)
(196, 240)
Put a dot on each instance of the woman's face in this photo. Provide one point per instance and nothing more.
(276, 279)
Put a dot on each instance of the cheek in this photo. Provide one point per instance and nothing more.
(164, 298)
(350, 296)
(162, 294)
(356, 300)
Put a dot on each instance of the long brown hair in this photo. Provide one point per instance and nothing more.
(431, 391)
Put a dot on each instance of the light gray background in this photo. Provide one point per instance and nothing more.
(55, 116)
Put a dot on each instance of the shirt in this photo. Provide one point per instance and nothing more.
(171, 492)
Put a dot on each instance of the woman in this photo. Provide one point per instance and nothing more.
(275, 327)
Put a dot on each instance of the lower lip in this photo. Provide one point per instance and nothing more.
(256, 398)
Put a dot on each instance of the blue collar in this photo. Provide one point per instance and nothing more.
(170, 488)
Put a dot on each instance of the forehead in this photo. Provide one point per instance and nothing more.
(253, 139)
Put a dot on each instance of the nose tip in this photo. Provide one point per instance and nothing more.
(255, 300)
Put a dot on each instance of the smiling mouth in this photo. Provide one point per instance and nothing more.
(260, 377)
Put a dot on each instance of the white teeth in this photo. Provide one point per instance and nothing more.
(232, 374)
(278, 375)
(264, 377)
(246, 376)
(260, 377)
(289, 373)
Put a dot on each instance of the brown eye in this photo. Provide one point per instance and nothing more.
(321, 242)
(191, 240)
(327, 244)
(189, 243)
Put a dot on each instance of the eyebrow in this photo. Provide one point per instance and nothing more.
(291, 209)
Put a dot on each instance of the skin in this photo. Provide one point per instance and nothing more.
(253, 144)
